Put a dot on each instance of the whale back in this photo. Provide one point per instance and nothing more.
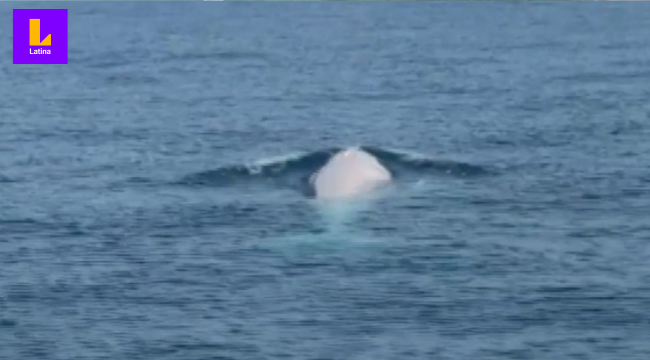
(348, 173)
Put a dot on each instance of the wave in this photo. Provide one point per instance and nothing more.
(405, 161)
(294, 170)
(278, 168)
(6, 179)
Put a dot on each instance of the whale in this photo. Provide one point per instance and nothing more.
(349, 173)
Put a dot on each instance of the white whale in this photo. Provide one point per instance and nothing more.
(349, 173)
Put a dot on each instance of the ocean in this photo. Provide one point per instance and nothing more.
(152, 190)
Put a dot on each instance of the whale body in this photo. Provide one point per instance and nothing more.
(348, 173)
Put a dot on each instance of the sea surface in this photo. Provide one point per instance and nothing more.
(153, 202)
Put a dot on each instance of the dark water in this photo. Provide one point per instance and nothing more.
(151, 201)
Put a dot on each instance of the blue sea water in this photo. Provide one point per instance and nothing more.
(152, 201)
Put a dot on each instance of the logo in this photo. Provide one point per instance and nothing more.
(40, 36)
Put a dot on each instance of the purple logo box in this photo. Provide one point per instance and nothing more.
(40, 36)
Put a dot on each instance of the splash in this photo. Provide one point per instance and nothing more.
(294, 170)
